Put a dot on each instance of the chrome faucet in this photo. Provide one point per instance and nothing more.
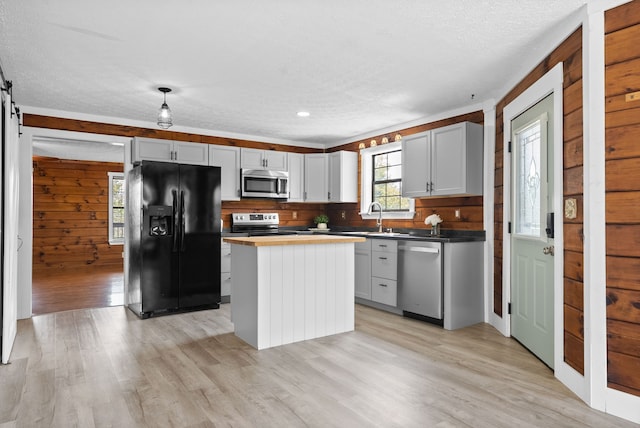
(379, 220)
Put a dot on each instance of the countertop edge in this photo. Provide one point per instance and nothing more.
(279, 240)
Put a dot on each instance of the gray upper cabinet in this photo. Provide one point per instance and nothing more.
(263, 159)
(343, 176)
(296, 177)
(316, 174)
(444, 161)
(169, 151)
(228, 158)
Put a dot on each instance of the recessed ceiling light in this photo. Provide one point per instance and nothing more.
(303, 114)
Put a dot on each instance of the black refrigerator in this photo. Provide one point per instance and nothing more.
(174, 235)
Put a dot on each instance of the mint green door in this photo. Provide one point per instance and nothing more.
(531, 249)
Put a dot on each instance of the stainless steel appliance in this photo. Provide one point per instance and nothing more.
(420, 286)
(258, 224)
(257, 183)
(174, 238)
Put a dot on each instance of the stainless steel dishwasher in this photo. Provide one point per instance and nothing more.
(420, 279)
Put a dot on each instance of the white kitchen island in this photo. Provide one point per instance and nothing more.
(289, 288)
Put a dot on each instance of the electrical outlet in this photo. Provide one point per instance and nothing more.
(343, 215)
(294, 215)
(458, 213)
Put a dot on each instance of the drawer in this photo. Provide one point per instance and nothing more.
(387, 245)
(384, 265)
(384, 291)
(225, 284)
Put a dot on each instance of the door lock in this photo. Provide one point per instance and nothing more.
(548, 250)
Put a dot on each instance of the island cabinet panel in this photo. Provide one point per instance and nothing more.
(288, 293)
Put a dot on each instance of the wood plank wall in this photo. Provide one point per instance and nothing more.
(570, 53)
(622, 169)
(71, 214)
(470, 207)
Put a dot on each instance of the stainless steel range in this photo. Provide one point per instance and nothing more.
(258, 224)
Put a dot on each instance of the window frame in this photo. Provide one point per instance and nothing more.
(114, 176)
(366, 183)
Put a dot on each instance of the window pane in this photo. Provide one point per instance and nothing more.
(527, 207)
(380, 174)
(395, 158)
(380, 160)
(395, 172)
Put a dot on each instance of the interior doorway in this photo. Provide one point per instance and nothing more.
(75, 262)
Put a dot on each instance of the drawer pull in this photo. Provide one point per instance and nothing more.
(382, 245)
(382, 258)
(382, 285)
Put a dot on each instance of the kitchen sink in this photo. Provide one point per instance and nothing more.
(391, 234)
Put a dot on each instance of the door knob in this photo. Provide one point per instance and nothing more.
(548, 250)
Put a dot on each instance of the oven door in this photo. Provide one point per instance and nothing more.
(264, 184)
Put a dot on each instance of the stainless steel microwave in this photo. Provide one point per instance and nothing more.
(258, 183)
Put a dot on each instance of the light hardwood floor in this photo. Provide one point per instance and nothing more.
(105, 367)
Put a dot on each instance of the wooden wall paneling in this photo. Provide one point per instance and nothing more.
(574, 293)
(622, 142)
(574, 265)
(622, 187)
(70, 214)
(623, 305)
(574, 321)
(623, 272)
(574, 352)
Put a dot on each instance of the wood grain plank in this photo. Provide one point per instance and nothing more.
(621, 17)
(574, 352)
(573, 181)
(574, 321)
(623, 272)
(623, 240)
(627, 117)
(623, 305)
(622, 174)
(573, 237)
(623, 370)
(622, 77)
(573, 265)
(622, 142)
(623, 337)
(574, 294)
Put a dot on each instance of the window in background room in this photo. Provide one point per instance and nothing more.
(387, 181)
(116, 208)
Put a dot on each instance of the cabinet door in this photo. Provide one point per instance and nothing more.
(275, 161)
(343, 177)
(296, 177)
(315, 177)
(448, 160)
(152, 149)
(384, 265)
(363, 269)
(416, 165)
(251, 158)
(191, 153)
(228, 158)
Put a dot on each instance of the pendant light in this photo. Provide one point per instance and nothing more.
(165, 121)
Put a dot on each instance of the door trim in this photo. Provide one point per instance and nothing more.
(551, 82)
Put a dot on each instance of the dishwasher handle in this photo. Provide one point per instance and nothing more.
(419, 249)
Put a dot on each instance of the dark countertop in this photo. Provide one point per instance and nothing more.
(449, 236)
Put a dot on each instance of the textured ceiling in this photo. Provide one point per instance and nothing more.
(247, 67)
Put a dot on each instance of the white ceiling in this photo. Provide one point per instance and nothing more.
(247, 66)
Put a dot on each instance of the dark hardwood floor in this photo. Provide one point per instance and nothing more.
(80, 288)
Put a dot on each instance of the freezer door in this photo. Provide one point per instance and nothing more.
(159, 263)
(199, 236)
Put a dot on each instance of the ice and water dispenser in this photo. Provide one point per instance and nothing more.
(160, 219)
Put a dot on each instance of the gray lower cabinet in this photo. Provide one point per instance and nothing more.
(225, 272)
(378, 282)
(363, 269)
(384, 271)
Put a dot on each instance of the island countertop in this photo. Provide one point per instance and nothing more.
(266, 241)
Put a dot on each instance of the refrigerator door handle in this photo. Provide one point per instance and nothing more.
(176, 225)
(182, 221)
